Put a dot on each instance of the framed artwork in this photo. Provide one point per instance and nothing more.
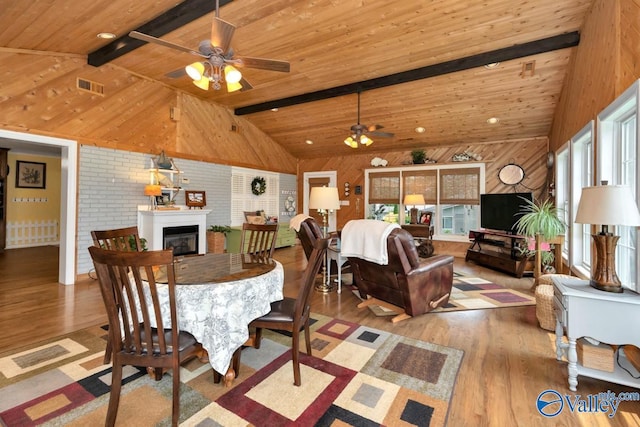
(425, 217)
(31, 174)
(195, 199)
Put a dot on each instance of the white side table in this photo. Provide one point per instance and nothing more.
(583, 311)
(333, 253)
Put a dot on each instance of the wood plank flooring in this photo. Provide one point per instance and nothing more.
(508, 359)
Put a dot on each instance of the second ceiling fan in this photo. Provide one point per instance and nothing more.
(360, 134)
(219, 62)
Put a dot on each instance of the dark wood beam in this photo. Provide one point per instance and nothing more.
(549, 44)
(174, 18)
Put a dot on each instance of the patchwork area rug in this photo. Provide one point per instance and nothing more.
(473, 293)
(357, 376)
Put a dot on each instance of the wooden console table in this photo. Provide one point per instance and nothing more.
(583, 311)
(420, 231)
(497, 250)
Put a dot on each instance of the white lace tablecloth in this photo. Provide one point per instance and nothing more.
(218, 314)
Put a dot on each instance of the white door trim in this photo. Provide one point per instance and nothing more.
(333, 182)
(68, 185)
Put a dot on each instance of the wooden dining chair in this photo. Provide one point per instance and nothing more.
(118, 239)
(124, 278)
(292, 314)
(259, 239)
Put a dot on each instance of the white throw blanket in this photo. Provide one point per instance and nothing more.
(366, 239)
(297, 220)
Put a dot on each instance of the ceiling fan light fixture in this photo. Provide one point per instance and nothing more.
(232, 74)
(232, 87)
(365, 140)
(202, 83)
(195, 70)
(351, 142)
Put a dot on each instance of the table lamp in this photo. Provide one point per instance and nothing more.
(414, 199)
(604, 205)
(324, 199)
(152, 190)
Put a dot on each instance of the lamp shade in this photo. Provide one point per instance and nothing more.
(195, 70)
(324, 198)
(414, 199)
(608, 205)
(152, 190)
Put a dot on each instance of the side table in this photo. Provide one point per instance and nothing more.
(583, 311)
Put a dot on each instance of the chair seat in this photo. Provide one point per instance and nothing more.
(281, 311)
(185, 340)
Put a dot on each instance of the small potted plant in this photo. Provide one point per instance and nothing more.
(216, 235)
(418, 156)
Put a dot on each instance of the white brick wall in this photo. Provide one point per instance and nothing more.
(111, 183)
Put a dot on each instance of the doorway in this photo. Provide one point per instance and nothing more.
(69, 171)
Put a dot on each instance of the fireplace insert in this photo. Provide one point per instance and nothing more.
(183, 240)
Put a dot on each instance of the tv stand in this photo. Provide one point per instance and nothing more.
(498, 250)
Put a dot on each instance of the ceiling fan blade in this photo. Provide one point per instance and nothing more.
(176, 73)
(222, 33)
(151, 39)
(381, 134)
(245, 85)
(264, 64)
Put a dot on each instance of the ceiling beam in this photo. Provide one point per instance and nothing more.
(549, 44)
(172, 19)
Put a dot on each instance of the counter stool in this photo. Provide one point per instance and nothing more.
(545, 310)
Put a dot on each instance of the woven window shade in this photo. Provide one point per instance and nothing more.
(421, 182)
(460, 186)
(384, 187)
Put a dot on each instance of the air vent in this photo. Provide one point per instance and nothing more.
(89, 86)
(528, 69)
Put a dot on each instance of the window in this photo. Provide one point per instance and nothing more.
(451, 192)
(618, 164)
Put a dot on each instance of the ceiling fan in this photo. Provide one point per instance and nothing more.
(219, 62)
(360, 133)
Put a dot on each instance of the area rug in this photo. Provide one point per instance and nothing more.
(357, 376)
(473, 293)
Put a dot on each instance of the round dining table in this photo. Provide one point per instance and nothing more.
(218, 295)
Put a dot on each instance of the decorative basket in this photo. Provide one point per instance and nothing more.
(545, 310)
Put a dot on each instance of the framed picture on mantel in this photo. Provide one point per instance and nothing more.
(195, 199)
(31, 174)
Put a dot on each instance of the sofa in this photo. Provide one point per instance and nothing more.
(411, 285)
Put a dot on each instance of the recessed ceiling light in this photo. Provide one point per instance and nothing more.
(274, 109)
(491, 65)
(308, 141)
(106, 36)
(420, 129)
(493, 120)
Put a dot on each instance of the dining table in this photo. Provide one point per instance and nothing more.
(218, 295)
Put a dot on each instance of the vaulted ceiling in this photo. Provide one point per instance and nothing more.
(416, 62)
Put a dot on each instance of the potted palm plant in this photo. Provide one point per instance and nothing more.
(418, 156)
(540, 220)
(216, 235)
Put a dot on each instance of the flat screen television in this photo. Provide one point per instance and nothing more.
(500, 211)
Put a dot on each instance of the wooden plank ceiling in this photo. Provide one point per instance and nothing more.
(337, 44)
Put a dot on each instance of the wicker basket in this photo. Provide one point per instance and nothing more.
(545, 310)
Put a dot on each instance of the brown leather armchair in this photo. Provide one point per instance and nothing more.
(407, 284)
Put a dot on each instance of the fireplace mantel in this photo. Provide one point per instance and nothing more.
(152, 222)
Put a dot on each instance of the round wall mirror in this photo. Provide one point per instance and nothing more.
(511, 174)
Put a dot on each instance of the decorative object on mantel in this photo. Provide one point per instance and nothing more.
(152, 190)
(258, 185)
(466, 157)
(163, 161)
(195, 199)
(607, 204)
(378, 161)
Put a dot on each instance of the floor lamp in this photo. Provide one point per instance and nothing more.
(414, 199)
(325, 200)
(607, 204)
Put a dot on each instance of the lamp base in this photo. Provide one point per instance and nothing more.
(604, 277)
(414, 215)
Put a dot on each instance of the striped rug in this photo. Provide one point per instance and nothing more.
(357, 376)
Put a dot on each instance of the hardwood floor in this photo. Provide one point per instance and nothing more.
(508, 359)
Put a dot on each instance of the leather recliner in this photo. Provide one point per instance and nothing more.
(413, 284)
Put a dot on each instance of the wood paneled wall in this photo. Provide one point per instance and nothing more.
(605, 63)
(38, 94)
(530, 154)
